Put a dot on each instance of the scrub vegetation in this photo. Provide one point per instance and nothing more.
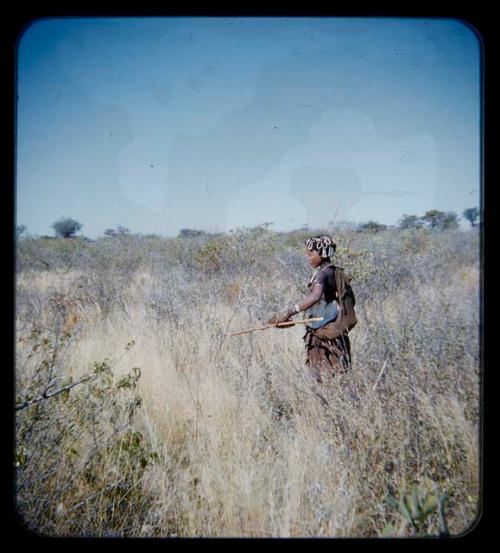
(138, 414)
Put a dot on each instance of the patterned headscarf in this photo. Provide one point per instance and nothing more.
(324, 245)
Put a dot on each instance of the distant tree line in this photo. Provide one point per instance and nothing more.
(439, 220)
(434, 219)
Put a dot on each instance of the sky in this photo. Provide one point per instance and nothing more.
(215, 123)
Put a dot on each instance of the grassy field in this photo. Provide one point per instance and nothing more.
(139, 415)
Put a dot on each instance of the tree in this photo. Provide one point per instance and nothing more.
(120, 231)
(190, 233)
(371, 226)
(20, 229)
(439, 220)
(410, 221)
(472, 215)
(66, 227)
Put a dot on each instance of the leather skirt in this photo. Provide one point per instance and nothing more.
(327, 357)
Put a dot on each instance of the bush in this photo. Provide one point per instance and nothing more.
(78, 458)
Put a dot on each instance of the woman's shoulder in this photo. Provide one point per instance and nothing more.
(325, 273)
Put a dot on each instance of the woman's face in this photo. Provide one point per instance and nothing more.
(314, 258)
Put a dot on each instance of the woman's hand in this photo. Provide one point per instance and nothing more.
(281, 317)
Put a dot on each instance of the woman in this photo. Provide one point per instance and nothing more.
(328, 347)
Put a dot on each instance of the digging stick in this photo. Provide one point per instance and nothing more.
(287, 323)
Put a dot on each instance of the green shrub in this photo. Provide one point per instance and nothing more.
(79, 461)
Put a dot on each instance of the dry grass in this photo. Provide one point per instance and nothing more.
(236, 441)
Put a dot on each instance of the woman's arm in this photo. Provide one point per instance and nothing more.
(311, 299)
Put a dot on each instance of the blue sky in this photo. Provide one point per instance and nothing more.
(159, 124)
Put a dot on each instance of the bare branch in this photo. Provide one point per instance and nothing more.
(46, 395)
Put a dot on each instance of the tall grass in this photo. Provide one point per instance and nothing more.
(226, 436)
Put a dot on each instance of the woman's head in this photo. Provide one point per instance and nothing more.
(320, 249)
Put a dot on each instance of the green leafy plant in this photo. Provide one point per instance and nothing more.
(416, 507)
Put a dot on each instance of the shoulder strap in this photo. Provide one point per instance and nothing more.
(342, 281)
